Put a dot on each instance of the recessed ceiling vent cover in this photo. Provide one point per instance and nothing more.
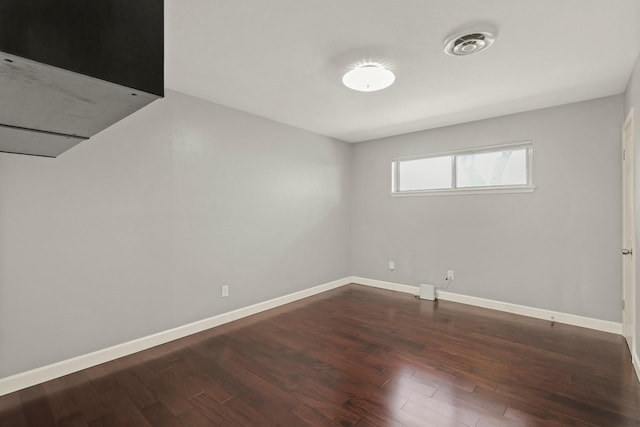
(468, 43)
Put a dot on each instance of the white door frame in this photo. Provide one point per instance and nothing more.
(629, 236)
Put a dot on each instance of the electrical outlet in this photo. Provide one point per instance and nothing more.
(449, 274)
(225, 291)
(392, 265)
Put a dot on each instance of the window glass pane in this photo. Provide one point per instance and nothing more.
(425, 174)
(507, 167)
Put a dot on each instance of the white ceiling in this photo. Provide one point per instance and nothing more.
(284, 59)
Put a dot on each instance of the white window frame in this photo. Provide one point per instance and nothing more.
(527, 188)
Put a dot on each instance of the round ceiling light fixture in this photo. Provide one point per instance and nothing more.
(469, 42)
(368, 77)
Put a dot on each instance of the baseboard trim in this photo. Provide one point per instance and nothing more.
(538, 313)
(408, 289)
(636, 363)
(55, 370)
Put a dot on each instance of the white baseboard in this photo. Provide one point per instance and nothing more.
(408, 289)
(538, 313)
(65, 367)
(636, 363)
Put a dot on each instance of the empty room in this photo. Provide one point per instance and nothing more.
(319, 213)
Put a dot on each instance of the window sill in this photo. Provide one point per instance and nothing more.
(466, 191)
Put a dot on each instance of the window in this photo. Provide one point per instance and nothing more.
(505, 168)
(431, 173)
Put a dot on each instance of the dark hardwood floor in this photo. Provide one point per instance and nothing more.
(354, 356)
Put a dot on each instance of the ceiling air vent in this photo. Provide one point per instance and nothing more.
(468, 43)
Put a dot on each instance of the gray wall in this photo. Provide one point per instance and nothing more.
(557, 248)
(632, 100)
(134, 231)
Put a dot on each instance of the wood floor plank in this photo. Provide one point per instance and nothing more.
(311, 416)
(35, 406)
(354, 356)
(159, 416)
(129, 384)
(11, 411)
(61, 403)
(229, 414)
(124, 412)
(73, 420)
(85, 396)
